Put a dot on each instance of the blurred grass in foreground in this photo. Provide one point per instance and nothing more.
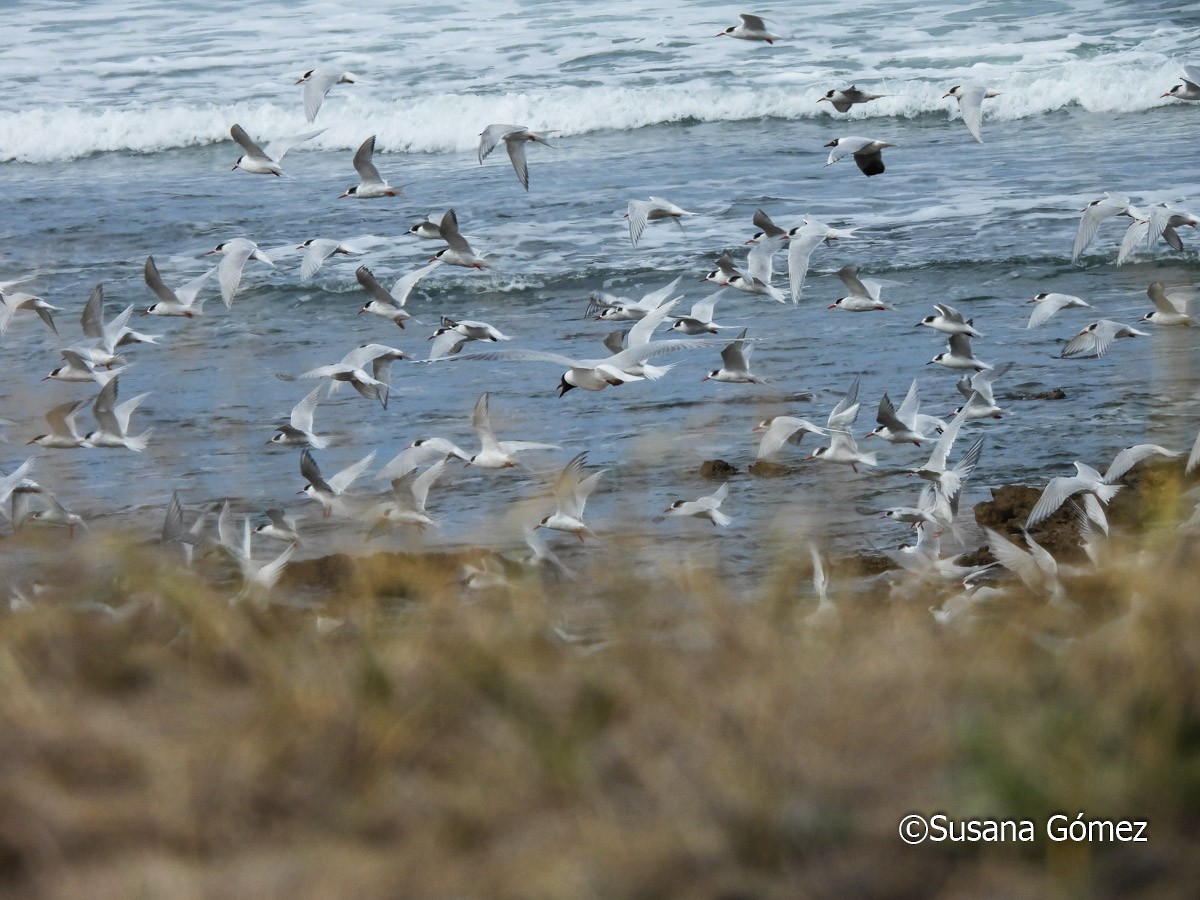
(619, 736)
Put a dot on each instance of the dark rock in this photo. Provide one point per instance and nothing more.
(1055, 394)
(764, 468)
(716, 468)
(1008, 509)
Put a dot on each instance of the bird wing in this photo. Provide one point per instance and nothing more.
(760, 259)
(92, 319)
(374, 289)
(187, 293)
(343, 479)
(403, 287)
(645, 327)
(1131, 456)
(845, 413)
(800, 249)
(61, 417)
(637, 212)
(276, 150)
(301, 417)
(970, 104)
(491, 136)
(1134, 235)
(482, 426)
(155, 282)
(566, 484)
(516, 153)
(1093, 214)
(763, 222)
(362, 162)
(229, 271)
(907, 413)
(238, 133)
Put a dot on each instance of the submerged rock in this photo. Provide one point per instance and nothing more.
(765, 468)
(717, 468)
(1053, 394)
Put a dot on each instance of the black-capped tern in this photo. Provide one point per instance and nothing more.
(752, 28)
(258, 161)
(867, 153)
(515, 137)
(317, 83)
(707, 507)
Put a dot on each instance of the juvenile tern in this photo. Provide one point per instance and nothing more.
(299, 430)
(317, 83)
(707, 507)
(959, 355)
(235, 253)
(373, 386)
(182, 301)
(863, 296)
(330, 494)
(843, 100)
(62, 435)
(280, 528)
(317, 250)
(950, 321)
(114, 421)
(699, 320)
(1095, 339)
(515, 137)
(1170, 307)
(429, 228)
(80, 368)
(977, 389)
(370, 183)
(757, 277)
(970, 99)
(766, 228)
(571, 492)
(390, 305)
(1049, 304)
(258, 161)
(782, 430)
(842, 447)
(639, 212)
(494, 454)
(458, 252)
(902, 426)
(410, 492)
(1095, 213)
(752, 28)
(867, 153)
(15, 302)
(735, 364)
(622, 308)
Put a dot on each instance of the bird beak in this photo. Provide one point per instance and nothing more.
(146, 313)
(210, 252)
(343, 196)
(831, 306)
(944, 96)
(823, 98)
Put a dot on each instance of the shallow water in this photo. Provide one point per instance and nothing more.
(117, 147)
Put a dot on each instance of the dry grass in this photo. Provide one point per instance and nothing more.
(444, 745)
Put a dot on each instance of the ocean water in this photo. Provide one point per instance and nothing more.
(114, 145)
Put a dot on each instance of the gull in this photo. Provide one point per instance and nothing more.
(12, 303)
(453, 335)
(494, 454)
(370, 183)
(867, 152)
(699, 319)
(843, 100)
(280, 528)
(235, 253)
(1096, 212)
(707, 507)
(735, 364)
(1189, 89)
(1049, 304)
(970, 99)
(80, 368)
(258, 161)
(802, 240)
(950, 321)
(182, 301)
(752, 28)
(114, 421)
(782, 430)
(1169, 306)
(571, 492)
(407, 504)
(977, 389)
(864, 295)
(104, 339)
(317, 83)
(515, 137)
(330, 493)
(373, 386)
(317, 250)
(903, 426)
(959, 355)
(639, 212)
(429, 228)
(299, 430)
(62, 435)
(458, 252)
(390, 305)
(1087, 481)
(623, 309)
(757, 277)
(842, 447)
(1095, 339)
